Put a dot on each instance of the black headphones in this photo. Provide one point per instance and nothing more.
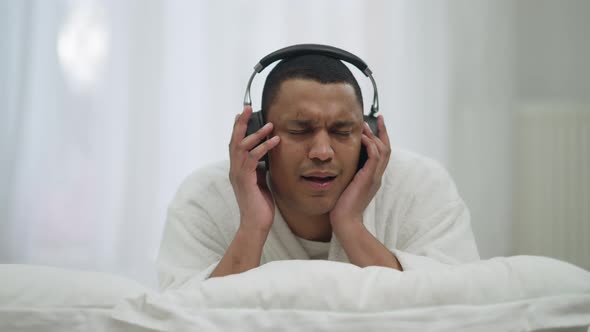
(257, 119)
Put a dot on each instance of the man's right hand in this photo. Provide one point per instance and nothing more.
(249, 183)
(257, 208)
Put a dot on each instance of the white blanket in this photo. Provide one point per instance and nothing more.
(522, 293)
(503, 294)
(49, 299)
(417, 213)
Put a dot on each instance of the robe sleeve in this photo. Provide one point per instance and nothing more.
(435, 228)
(194, 238)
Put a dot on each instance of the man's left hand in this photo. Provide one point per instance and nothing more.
(353, 201)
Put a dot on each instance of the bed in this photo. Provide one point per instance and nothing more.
(520, 293)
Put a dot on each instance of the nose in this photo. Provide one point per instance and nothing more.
(321, 147)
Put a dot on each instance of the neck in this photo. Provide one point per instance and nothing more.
(313, 228)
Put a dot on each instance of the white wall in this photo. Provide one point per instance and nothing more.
(506, 54)
(553, 48)
(481, 106)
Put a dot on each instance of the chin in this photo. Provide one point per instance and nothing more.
(319, 206)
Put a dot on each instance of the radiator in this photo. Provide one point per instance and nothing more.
(552, 182)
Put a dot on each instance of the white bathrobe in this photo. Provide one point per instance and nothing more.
(417, 213)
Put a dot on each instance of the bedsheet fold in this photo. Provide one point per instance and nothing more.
(520, 293)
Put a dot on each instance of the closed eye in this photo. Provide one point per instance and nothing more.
(298, 132)
(343, 133)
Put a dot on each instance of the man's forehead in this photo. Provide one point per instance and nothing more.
(335, 100)
(296, 87)
(302, 98)
(313, 114)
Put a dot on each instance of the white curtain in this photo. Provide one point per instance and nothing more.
(108, 105)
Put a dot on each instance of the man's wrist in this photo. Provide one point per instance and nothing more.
(253, 233)
(343, 227)
(362, 248)
(244, 252)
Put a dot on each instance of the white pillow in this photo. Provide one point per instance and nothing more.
(521, 293)
(334, 286)
(40, 286)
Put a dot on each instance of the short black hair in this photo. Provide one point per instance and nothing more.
(319, 68)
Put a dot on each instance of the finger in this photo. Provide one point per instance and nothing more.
(367, 130)
(383, 146)
(251, 140)
(383, 153)
(240, 126)
(240, 114)
(234, 128)
(256, 154)
(383, 135)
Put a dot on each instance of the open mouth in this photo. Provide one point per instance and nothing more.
(319, 182)
(319, 179)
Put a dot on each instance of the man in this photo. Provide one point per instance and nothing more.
(314, 203)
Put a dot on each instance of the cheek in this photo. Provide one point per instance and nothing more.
(287, 154)
(349, 152)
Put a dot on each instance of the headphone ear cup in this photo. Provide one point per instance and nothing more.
(255, 123)
(372, 121)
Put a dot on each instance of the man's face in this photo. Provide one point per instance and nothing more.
(320, 127)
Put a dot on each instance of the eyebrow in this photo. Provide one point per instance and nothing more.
(342, 124)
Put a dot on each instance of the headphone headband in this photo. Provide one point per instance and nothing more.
(314, 49)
